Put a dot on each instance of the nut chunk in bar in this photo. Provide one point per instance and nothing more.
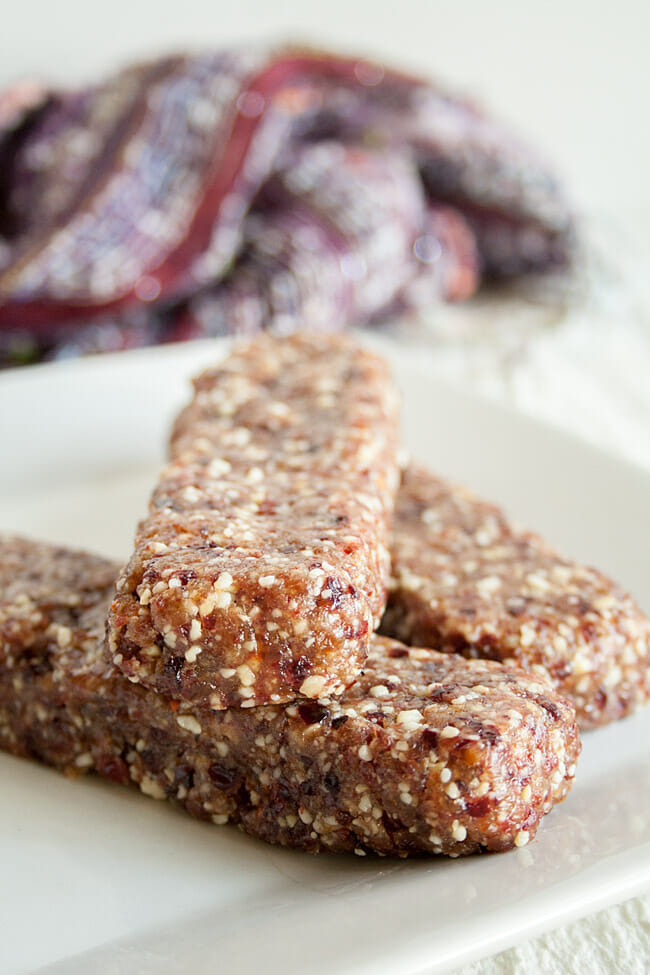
(464, 580)
(424, 753)
(262, 568)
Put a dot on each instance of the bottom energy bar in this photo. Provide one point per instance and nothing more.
(464, 580)
(425, 753)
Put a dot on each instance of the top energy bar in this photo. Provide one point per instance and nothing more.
(262, 567)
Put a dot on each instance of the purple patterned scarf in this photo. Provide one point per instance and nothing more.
(232, 192)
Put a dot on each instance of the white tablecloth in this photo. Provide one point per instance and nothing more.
(612, 942)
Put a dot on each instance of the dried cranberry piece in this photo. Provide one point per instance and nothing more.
(377, 716)
(398, 652)
(429, 738)
(487, 644)
(267, 507)
(351, 632)
(153, 760)
(301, 668)
(173, 667)
(455, 643)
(224, 778)
(282, 793)
(313, 713)
(38, 663)
(243, 799)
(331, 781)
(391, 825)
(185, 575)
(485, 733)
(550, 706)
(560, 671)
(479, 807)
(337, 591)
(184, 776)
(490, 735)
(114, 768)
(589, 631)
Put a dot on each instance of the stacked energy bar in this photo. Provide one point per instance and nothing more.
(465, 581)
(234, 666)
(261, 570)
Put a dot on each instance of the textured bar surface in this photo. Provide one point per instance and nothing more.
(262, 567)
(425, 753)
(466, 581)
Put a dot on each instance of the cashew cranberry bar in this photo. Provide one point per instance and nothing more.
(424, 753)
(262, 567)
(464, 580)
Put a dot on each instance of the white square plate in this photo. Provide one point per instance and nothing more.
(100, 879)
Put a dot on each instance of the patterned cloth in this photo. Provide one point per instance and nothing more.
(246, 190)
